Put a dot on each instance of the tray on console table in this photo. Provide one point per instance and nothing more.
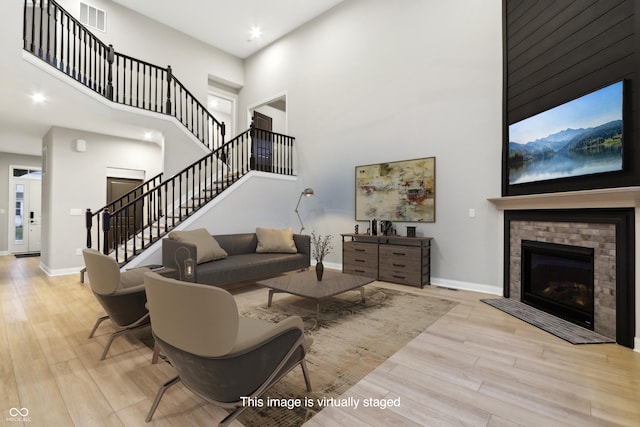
(395, 259)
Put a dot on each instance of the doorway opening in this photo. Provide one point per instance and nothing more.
(25, 213)
(223, 108)
(274, 108)
(131, 214)
(268, 118)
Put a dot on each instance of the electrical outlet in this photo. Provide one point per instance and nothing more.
(78, 251)
(472, 213)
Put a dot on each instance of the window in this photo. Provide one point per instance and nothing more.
(26, 173)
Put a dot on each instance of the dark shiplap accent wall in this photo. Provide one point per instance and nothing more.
(559, 50)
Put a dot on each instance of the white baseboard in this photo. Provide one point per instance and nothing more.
(4, 253)
(60, 271)
(636, 344)
(466, 286)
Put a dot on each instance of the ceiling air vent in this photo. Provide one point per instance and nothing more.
(93, 17)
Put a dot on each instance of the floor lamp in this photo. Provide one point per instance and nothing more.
(307, 192)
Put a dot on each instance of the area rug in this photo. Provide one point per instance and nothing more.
(350, 340)
(562, 329)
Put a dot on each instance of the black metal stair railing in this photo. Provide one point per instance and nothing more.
(271, 151)
(130, 227)
(127, 226)
(125, 199)
(136, 224)
(53, 35)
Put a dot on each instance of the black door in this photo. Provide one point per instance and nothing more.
(130, 222)
(262, 143)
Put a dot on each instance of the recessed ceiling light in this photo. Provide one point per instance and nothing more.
(148, 135)
(38, 97)
(255, 32)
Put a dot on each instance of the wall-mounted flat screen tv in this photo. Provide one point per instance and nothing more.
(581, 137)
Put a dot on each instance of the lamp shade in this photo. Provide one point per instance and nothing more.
(307, 192)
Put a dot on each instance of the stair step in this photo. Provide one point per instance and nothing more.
(167, 222)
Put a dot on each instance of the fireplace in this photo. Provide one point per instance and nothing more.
(559, 279)
(610, 232)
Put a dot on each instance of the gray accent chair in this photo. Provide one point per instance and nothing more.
(121, 294)
(217, 354)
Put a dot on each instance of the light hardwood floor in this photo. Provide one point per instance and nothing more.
(475, 366)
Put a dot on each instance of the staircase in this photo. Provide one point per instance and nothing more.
(129, 225)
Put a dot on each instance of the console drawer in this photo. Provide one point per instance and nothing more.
(402, 256)
(360, 258)
(407, 277)
(401, 264)
(361, 253)
(360, 270)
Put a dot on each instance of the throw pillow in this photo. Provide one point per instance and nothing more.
(208, 249)
(272, 240)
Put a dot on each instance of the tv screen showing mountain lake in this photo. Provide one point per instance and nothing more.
(581, 137)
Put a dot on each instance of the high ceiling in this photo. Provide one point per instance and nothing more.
(227, 24)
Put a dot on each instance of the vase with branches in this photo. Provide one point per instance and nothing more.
(320, 248)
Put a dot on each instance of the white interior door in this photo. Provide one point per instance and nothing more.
(26, 214)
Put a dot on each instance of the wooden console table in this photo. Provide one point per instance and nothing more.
(396, 259)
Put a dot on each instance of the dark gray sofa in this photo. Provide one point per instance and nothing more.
(242, 262)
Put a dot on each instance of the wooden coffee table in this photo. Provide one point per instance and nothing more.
(305, 284)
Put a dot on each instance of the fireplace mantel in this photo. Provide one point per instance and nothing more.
(623, 197)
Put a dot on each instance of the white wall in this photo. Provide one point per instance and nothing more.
(77, 180)
(371, 82)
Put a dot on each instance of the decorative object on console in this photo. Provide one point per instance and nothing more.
(411, 232)
(320, 248)
(307, 192)
(401, 191)
(386, 228)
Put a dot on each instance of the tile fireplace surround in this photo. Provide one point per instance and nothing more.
(600, 219)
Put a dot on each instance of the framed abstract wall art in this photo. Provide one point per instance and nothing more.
(397, 191)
